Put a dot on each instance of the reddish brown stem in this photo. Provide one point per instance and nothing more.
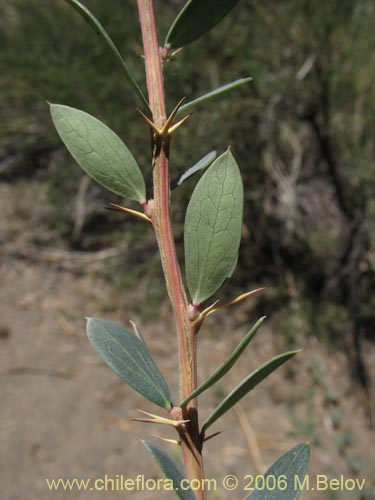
(191, 446)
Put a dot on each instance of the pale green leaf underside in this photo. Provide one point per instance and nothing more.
(200, 165)
(293, 464)
(246, 386)
(130, 359)
(171, 470)
(196, 18)
(213, 228)
(99, 152)
(213, 94)
(100, 31)
(226, 365)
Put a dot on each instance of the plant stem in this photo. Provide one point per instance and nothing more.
(187, 348)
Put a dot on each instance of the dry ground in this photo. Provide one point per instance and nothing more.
(64, 414)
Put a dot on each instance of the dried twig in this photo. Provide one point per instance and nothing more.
(250, 437)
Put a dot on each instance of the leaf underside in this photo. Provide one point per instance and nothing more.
(196, 18)
(171, 470)
(99, 152)
(130, 359)
(212, 231)
(200, 165)
(246, 386)
(213, 94)
(293, 465)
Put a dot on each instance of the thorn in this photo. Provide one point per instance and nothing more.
(212, 436)
(168, 129)
(144, 420)
(234, 301)
(167, 55)
(241, 297)
(215, 307)
(134, 213)
(166, 440)
(134, 328)
(149, 122)
(136, 331)
(207, 311)
(155, 419)
(175, 52)
(178, 124)
(172, 116)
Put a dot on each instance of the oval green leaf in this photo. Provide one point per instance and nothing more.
(246, 386)
(226, 366)
(287, 473)
(100, 31)
(171, 471)
(196, 18)
(130, 359)
(213, 228)
(99, 151)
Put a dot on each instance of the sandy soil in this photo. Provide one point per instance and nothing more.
(64, 414)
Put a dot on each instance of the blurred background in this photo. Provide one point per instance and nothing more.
(303, 134)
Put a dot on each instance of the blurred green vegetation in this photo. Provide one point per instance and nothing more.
(302, 132)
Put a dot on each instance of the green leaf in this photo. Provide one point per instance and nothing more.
(286, 476)
(200, 165)
(196, 18)
(226, 366)
(171, 471)
(99, 151)
(98, 28)
(213, 228)
(130, 359)
(213, 95)
(231, 271)
(246, 386)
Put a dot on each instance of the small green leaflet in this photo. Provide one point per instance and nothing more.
(99, 151)
(100, 31)
(130, 359)
(246, 386)
(226, 366)
(213, 228)
(285, 476)
(200, 165)
(213, 94)
(171, 471)
(196, 18)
